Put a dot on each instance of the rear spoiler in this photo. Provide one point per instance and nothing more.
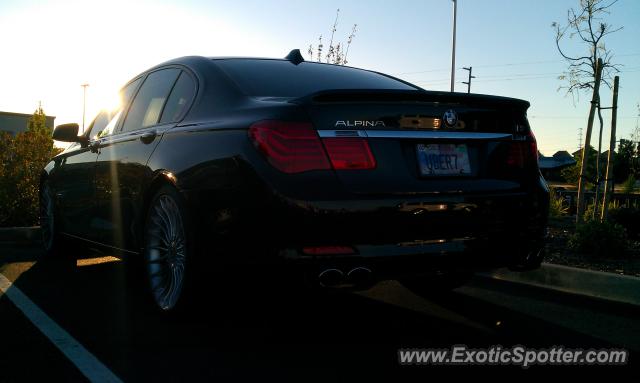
(409, 96)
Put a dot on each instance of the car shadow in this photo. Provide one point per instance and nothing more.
(245, 331)
(12, 253)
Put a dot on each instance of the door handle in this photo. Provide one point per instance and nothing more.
(148, 137)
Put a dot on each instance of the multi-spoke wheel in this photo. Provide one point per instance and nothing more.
(166, 248)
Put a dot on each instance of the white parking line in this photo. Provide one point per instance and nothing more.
(85, 361)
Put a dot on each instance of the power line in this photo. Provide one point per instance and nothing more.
(438, 81)
(500, 77)
(504, 65)
(480, 66)
(569, 117)
(522, 75)
(512, 78)
(517, 78)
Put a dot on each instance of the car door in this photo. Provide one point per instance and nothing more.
(121, 170)
(73, 179)
(73, 182)
(95, 223)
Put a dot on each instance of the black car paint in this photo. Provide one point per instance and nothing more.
(247, 211)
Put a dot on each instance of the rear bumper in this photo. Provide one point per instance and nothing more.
(391, 236)
(462, 236)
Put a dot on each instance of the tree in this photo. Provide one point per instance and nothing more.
(37, 122)
(337, 53)
(586, 71)
(623, 161)
(22, 159)
(572, 173)
(586, 24)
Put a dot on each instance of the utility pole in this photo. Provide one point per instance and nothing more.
(84, 102)
(470, 77)
(580, 138)
(596, 201)
(453, 48)
(612, 145)
(587, 141)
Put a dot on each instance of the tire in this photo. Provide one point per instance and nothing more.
(438, 284)
(52, 241)
(168, 250)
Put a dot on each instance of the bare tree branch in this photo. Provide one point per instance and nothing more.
(586, 24)
(336, 52)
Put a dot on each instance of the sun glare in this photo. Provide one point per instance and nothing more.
(110, 101)
(89, 50)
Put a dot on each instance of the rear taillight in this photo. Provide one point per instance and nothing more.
(349, 153)
(328, 250)
(523, 154)
(291, 147)
(294, 147)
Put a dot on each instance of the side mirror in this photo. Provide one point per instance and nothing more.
(67, 133)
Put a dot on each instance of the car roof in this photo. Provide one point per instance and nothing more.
(203, 63)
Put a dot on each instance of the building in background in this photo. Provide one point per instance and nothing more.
(17, 122)
(552, 166)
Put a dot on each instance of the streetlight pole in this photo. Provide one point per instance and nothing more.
(84, 102)
(453, 50)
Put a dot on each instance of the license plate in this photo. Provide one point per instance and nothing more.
(443, 159)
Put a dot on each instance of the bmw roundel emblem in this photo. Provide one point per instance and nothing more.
(450, 118)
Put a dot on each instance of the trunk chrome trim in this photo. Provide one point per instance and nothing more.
(415, 134)
(342, 133)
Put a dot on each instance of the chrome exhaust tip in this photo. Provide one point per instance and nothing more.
(330, 277)
(359, 276)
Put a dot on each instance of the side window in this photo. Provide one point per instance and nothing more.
(99, 123)
(147, 106)
(180, 98)
(107, 120)
(108, 130)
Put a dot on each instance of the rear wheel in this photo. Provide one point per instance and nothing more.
(167, 249)
(437, 284)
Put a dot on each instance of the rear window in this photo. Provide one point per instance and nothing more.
(279, 78)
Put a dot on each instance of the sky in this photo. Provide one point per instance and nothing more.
(50, 48)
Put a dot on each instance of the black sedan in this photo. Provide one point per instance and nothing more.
(338, 175)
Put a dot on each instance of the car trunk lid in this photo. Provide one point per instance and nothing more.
(428, 142)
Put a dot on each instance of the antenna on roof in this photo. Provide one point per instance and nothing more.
(295, 57)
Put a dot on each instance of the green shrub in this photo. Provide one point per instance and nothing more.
(629, 185)
(557, 205)
(596, 239)
(589, 212)
(22, 159)
(627, 217)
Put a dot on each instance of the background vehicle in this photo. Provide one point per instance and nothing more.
(341, 175)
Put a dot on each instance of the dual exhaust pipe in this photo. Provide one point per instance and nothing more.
(358, 276)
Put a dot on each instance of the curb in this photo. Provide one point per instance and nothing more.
(19, 235)
(594, 284)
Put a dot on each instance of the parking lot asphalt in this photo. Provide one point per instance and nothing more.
(239, 332)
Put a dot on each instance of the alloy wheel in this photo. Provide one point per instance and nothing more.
(165, 252)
